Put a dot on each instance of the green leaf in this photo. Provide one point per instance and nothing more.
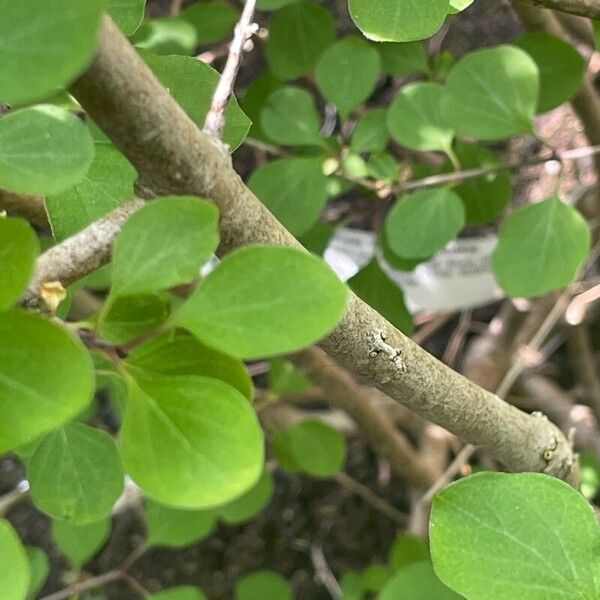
(414, 118)
(373, 286)
(523, 535)
(192, 83)
(375, 576)
(127, 14)
(166, 35)
(75, 474)
(485, 197)
(213, 21)
(39, 567)
(178, 353)
(383, 166)
(79, 543)
(204, 426)
(422, 223)
(46, 377)
(174, 528)
(291, 300)
(182, 592)
(371, 133)
(289, 117)
(44, 45)
(272, 4)
(126, 317)
(284, 378)
(164, 244)
(19, 248)
(108, 182)
(16, 573)
(251, 503)
(589, 467)
(311, 447)
(540, 248)
(492, 93)
(259, 90)
(352, 587)
(394, 21)
(44, 149)
(266, 585)
(298, 35)
(294, 189)
(417, 581)
(317, 238)
(347, 73)
(561, 67)
(403, 59)
(459, 5)
(407, 549)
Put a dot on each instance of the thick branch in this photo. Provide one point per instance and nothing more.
(174, 156)
(584, 8)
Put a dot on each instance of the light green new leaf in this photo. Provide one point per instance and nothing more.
(108, 182)
(492, 93)
(417, 581)
(16, 572)
(371, 133)
(424, 222)
(39, 566)
(164, 244)
(46, 377)
(561, 67)
(263, 584)
(192, 83)
(251, 503)
(127, 14)
(127, 317)
(398, 20)
(407, 549)
(182, 592)
(178, 353)
(403, 59)
(80, 542)
(459, 5)
(311, 447)
(284, 378)
(289, 117)
(540, 248)
(44, 149)
(75, 474)
(507, 536)
(212, 20)
(294, 189)
(298, 34)
(483, 197)
(373, 286)
(347, 73)
(290, 300)
(166, 35)
(414, 118)
(19, 248)
(44, 45)
(190, 442)
(175, 528)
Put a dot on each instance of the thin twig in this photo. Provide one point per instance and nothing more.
(85, 586)
(378, 503)
(215, 119)
(13, 497)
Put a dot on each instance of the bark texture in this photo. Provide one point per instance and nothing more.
(173, 156)
(584, 8)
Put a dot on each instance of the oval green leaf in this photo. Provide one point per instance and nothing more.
(127, 14)
(398, 20)
(294, 189)
(181, 592)
(290, 300)
(263, 584)
(190, 442)
(510, 536)
(540, 248)
(80, 542)
(251, 503)
(44, 45)
(16, 572)
(46, 377)
(164, 244)
(19, 247)
(75, 474)
(44, 149)
(424, 222)
(492, 93)
(416, 581)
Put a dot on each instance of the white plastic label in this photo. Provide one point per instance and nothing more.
(459, 277)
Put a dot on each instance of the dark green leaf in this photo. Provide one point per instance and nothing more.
(80, 542)
(417, 581)
(213, 20)
(127, 14)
